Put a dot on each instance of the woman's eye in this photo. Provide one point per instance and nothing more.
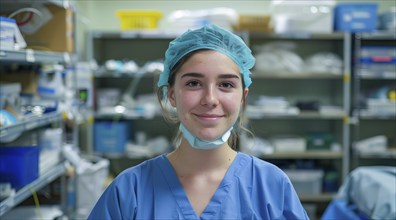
(192, 83)
(226, 85)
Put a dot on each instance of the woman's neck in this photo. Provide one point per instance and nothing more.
(186, 159)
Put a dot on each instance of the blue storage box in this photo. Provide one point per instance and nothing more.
(355, 17)
(19, 165)
(110, 137)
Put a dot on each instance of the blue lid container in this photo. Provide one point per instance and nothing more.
(355, 17)
(19, 165)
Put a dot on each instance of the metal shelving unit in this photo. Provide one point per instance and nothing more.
(316, 155)
(29, 123)
(369, 123)
(32, 56)
(329, 88)
(23, 193)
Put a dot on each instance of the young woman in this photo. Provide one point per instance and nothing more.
(205, 80)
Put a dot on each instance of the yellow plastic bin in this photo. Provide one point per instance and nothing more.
(139, 20)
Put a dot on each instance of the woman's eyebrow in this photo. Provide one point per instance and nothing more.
(222, 76)
(198, 75)
(229, 76)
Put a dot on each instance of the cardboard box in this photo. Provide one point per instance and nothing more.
(27, 79)
(254, 23)
(56, 35)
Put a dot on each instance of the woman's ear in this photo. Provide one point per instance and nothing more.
(245, 93)
(171, 96)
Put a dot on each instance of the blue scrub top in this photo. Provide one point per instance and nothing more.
(251, 189)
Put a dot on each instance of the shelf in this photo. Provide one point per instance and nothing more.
(29, 124)
(389, 154)
(368, 116)
(11, 5)
(36, 185)
(378, 76)
(325, 197)
(381, 35)
(304, 76)
(128, 115)
(301, 115)
(324, 154)
(300, 35)
(124, 76)
(149, 34)
(33, 56)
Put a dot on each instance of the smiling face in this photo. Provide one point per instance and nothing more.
(208, 94)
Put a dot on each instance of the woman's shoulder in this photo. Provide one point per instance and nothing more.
(261, 168)
(138, 171)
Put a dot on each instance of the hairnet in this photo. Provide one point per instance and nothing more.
(209, 37)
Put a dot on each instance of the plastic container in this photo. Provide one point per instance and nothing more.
(303, 16)
(7, 33)
(19, 165)
(134, 20)
(319, 141)
(306, 182)
(355, 17)
(91, 182)
(110, 137)
(378, 54)
(289, 144)
(9, 94)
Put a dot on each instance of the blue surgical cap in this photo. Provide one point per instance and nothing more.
(209, 37)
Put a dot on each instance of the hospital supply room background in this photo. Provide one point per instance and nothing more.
(78, 98)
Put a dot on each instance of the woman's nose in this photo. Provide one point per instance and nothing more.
(210, 97)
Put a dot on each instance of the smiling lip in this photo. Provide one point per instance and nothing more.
(209, 117)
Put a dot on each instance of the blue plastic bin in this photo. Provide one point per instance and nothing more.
(355, 17)
(19, 165)
(110, 137)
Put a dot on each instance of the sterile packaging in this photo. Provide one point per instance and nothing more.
(303, 16)
(10, 36)
(306, 182)
(289, 144)
(9, 96)
(50, 83)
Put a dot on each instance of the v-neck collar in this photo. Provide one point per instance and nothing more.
(181, 197)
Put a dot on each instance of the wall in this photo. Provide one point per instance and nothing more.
(100, 15)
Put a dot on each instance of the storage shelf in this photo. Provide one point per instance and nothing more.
(299, 35)
(389, 154)
(325, 197)
(34, 56)
(130, 115)
(301, 115)
(304, 76)
(11, 5)
(381, 35)
(367, 116)
(149, 34)
(123, 76)
(29, 124)
(323, 154)
(379, 76)
(34, 186)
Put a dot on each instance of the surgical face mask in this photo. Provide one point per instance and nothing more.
(197, 143)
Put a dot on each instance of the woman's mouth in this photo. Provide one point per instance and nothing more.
(209, 117)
